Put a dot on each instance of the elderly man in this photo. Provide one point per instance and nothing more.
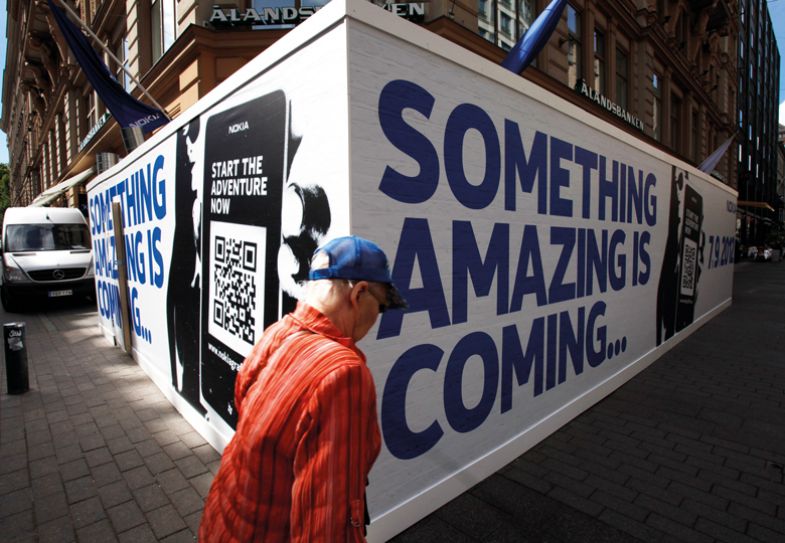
(307, 433)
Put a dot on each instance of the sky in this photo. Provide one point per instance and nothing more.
(776, 10)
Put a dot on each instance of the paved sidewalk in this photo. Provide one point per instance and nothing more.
(94, 452)
(692, 449)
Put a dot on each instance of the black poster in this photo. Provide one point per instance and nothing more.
(692, 221)
(677, 291)
(244, 173)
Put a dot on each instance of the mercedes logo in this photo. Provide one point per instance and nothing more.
(58, 274)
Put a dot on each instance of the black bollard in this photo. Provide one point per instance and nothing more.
(16, 357)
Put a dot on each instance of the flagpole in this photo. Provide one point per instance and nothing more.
(112, 56)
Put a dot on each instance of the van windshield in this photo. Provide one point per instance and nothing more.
(46, 237)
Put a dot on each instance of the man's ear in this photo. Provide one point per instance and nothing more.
(357, 290)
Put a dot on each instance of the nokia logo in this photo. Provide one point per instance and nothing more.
(145, 120)
(238, 127)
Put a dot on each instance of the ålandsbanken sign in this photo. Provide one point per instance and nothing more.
(585, 89)
(290, 15)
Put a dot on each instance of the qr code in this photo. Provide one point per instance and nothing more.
(237, 284)
(688, 267)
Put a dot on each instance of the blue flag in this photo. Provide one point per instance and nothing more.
(128, 111)
(535, 38)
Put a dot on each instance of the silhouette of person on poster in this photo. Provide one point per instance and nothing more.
(677, 291)
(184, 276)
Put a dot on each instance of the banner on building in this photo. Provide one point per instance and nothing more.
(129, 112)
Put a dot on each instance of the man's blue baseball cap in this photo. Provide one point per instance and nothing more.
(357, 259)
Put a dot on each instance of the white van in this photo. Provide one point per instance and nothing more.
(46, 253)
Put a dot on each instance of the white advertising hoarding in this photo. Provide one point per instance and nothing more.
(546, 256)
(222, 211)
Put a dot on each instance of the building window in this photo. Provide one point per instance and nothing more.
(506, 25)
(486, 20)
(62, 145)
(90, 7)
(56, 151)
(36, 177)
(83, 116)
(52, 161)
(503, 22)
(681, 31)
(696, 135)
(574, 71)
(656, 117)
(622, 78)
(92, 109)
(45, 165)
(120, 50)
(676, 123)
(525, 15)
(599, 61)
(78, 122)
(163, 26)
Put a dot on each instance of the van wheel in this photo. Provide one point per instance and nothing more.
(8, 299)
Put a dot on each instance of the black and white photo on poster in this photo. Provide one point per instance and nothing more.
(306, 220)
(183, 291)
(677, 292)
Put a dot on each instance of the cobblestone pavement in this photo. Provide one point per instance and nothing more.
(691, 449)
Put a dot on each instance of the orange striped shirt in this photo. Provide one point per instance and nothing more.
(307, 436)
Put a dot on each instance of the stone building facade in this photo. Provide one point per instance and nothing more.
(665, 71)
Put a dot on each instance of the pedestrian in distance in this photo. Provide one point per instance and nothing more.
(307, 433)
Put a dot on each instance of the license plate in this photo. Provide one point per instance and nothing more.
(58, 293)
